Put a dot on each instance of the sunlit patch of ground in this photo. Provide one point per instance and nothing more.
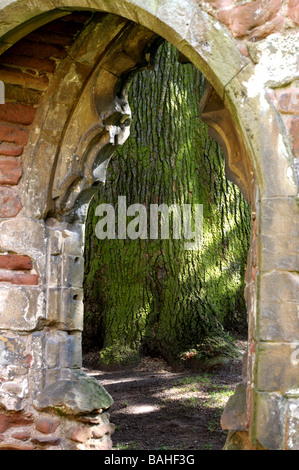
(155, 408)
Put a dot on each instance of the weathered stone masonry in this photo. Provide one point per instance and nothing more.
(65, 65)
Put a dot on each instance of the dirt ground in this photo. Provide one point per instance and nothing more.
(156, 408)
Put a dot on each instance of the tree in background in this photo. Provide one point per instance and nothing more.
(152, 296)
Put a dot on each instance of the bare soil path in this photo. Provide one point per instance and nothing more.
(156, 408)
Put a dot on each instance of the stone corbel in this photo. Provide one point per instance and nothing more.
(100, 122)
(83, 164)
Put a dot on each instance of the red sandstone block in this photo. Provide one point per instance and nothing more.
(19, 279)
(47, 425)
(16, 113)
(10, 170)
(16, 447)
(13, 135)
(29, 360)
(10, 205)
(243, 18)
(100, 431)
(64, 27)
(254, 272)
(276, 25)
(12, 421)
(294, 133)
(36, 49)
(11, 150)
(293, 10)
(15, 76)
(36, 63)
(104, 445)
(288, 101)
(220, 4)
(46, 441)
(21, 435)
(50, 37)
(15, 262)
(80, 434)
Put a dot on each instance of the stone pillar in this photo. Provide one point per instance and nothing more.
(47, 400)
(249, 53)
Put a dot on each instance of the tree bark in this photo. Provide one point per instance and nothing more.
(153, 296)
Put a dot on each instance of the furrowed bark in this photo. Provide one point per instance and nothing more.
(153, 296)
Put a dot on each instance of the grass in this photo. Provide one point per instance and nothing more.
(177, 447)
(213, 425)
(207, 447)
(196, 394)
(218, 398)
(131, 445)
(200, 379)
(199, 391)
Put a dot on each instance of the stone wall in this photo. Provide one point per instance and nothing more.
(65, 111)
(41, 322)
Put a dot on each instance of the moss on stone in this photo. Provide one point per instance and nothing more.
(118, 355)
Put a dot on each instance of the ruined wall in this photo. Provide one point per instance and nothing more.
(35, 355)
(64, 113)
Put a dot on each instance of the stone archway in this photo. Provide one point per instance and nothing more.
(64, 122)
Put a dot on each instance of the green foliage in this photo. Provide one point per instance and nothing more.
(152, 295)
(119, 354)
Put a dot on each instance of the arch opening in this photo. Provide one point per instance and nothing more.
(76, 160)
(138, 307)
(64, 119)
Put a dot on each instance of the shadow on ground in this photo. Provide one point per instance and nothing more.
(158, 409)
